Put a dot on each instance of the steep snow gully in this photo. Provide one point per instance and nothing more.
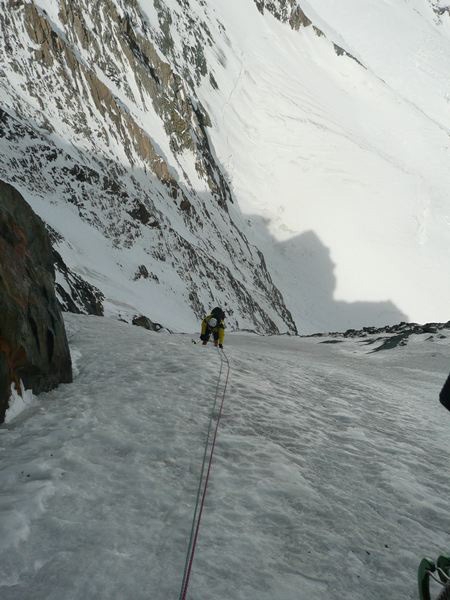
(329, 478)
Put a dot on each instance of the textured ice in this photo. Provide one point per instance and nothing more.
(329, 477)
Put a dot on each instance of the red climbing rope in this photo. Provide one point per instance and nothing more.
(189, 563)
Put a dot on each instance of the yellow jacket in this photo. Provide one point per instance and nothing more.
(219, 329)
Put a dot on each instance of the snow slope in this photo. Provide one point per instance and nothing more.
(329, 478)
(344, 164)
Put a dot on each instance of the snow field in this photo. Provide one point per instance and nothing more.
(315, 142)
(327, 479)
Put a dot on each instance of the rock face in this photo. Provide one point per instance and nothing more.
(290, 11)
(78, 296)
(389, 336)
(33, 343)
(107, 128)
(146, 323)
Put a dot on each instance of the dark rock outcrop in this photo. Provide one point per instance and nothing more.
(74, 294)
(299, 19)
(142, 321)
(389, 336)
(80, 297)
(33, 343)
(289, 11)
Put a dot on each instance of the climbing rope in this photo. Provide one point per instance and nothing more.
(203, 481)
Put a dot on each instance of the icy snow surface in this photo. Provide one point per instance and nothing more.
(330, 477)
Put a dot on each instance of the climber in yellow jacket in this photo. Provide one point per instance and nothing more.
(213, 324)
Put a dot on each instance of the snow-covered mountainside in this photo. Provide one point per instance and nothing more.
(107, 140)
(337, 145)
(287, 160)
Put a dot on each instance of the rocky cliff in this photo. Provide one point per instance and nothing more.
(33, 344)
(101, 127)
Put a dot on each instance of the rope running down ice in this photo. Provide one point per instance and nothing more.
(203, 482)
